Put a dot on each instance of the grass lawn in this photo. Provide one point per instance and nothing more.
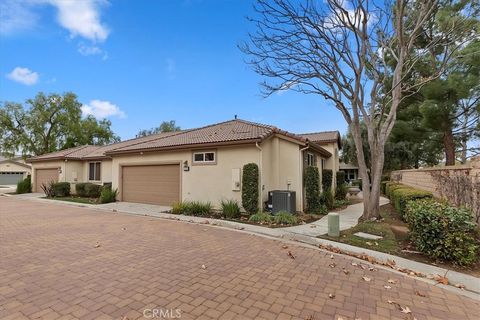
(391, 243)
(76, 199)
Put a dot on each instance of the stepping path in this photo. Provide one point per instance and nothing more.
(348, 219)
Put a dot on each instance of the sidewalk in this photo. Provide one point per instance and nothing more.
(348, 219)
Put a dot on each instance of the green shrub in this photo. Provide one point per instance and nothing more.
(442, 231)
(341, 203)
(108, 195)
(327, 178)
(383, 187)
(326, 198)
(401, 195)
(357, 183)
(284, 218)
(312, 189)
(261, 217)
(61, 189)
(390, 186)
(385, 177)
(178, 208)
(340, 175)
(92, 190)
(24, 186)
(341, 191)
(80, 189)
(192, 208)
(250, 187)
(230, 209)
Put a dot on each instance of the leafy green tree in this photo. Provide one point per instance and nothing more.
(165, 126)
(49, 123)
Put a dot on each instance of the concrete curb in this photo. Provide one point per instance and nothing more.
(471, 283)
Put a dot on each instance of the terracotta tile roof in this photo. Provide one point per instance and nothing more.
(224, 132)
(230, 132)
(322, 137)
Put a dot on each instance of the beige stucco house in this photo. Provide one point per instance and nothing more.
(13, 170)
(197, 164)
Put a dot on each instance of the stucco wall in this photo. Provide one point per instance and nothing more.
(282, 168)
(203, 182)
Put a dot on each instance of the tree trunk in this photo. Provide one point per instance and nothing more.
(449, 146)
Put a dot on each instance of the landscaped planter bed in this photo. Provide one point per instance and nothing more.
(75, 199)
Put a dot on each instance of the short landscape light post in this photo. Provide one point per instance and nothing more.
(333, 224)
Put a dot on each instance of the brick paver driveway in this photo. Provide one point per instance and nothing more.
(52, 268)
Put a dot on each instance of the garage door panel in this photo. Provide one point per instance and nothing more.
(45, 176)
(155, 184)
(11, 178)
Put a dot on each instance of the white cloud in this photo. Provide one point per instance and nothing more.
(81, 18)
(15, 16)
(102, 109)
(23, 75)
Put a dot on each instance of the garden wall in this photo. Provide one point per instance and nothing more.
(460, 185)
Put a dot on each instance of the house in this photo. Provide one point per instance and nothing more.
(351, 171)
(197, 164)
(13, 170)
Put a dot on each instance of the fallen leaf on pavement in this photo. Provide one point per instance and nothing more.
(354, 264)
(392, 281)
(290, 254)
(331, 256)
(372, 269)
(204, 266)
(332, 265)
(284, 247)
(369, 243)
(391, 301)
(366, 279)
(97, 245)
(420, 294)
(387, 287)
(406, 310)
(313, 226)
(346, 271)
(442, 280)
(460, 286)
(331, 296)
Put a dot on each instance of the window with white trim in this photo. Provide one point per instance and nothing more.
(204, 157)
(311, 160)
(94, 171)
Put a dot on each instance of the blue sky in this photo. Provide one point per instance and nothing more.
(141, 62)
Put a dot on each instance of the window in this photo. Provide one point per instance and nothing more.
(204, 157)
(311, 160)
(323, 164)
(94, 171)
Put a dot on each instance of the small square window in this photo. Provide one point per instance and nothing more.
(204, 157)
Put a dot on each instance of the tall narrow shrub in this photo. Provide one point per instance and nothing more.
(25, 186)
(250, 193)
(327, 178)
(312, 189)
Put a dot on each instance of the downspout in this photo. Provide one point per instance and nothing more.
(261, 175)
(301, 175)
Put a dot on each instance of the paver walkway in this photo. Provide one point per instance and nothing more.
(52, 268)
(348, 219)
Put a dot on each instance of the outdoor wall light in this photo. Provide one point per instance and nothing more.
(185, 166)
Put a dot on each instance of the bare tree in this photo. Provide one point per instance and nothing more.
(355, 54)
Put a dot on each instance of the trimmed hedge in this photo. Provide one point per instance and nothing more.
(400, 197)
(24, 186)
(327, 199)
(87, 189)
(312, 189)
(442, 231)
(250, 187)
(192, 208)
(61, 189)
(327, 178)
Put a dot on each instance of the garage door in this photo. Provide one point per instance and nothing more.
(9, 178)
(44, 176)
(156, 184)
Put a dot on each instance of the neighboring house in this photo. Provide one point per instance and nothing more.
(13, 170)
(199, 164)
(351, 171)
